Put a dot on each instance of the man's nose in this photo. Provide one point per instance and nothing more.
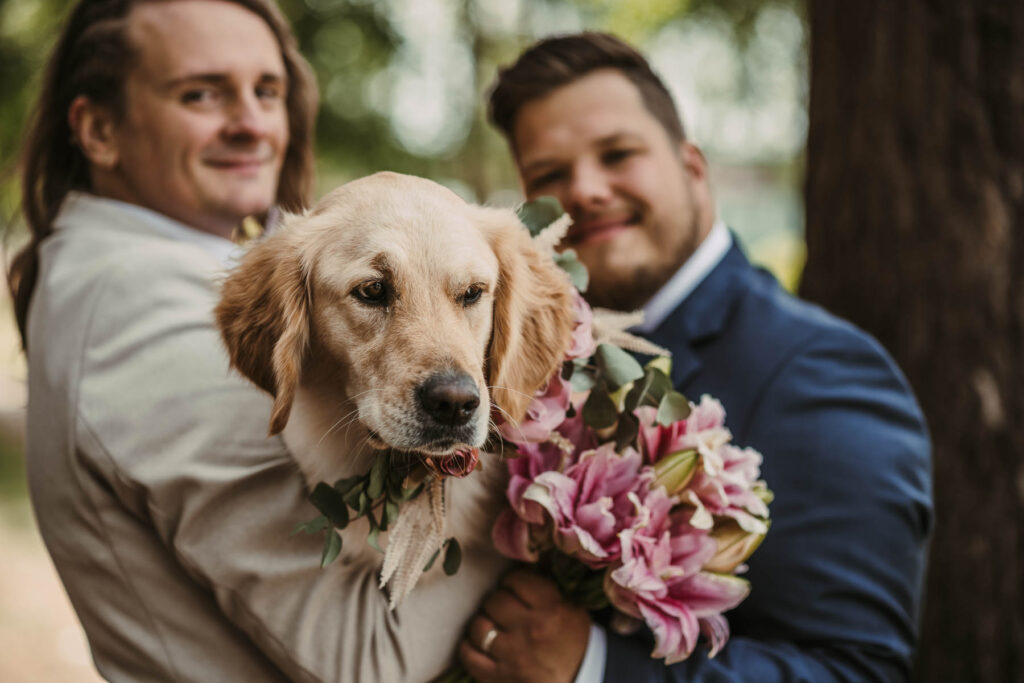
(589, 187)
(247, 118)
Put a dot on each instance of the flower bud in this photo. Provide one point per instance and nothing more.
(734, 546)
(675, 470)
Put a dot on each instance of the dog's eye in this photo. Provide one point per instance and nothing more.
(472, 295)
(372, 292)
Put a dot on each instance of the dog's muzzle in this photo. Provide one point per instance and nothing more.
(449, 399)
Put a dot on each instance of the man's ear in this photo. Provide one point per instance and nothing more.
(263, 316)
(533, 317)
(693, 160)
(93, 128)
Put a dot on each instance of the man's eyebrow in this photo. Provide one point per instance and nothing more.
(605, 141)
(215, 78)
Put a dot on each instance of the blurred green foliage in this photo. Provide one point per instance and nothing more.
(402, 82)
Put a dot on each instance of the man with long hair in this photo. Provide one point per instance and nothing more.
(836, 584)
(161, 126)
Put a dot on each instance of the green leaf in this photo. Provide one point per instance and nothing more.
(582, 381)
(571, 264)
(374, 539)
(650, 390)
(312, 526)
(410, 493)
(662, 364)
(354, 494)
(378, 473)
(599, 411)
(625, 434)
(343, 486)
(430, 562)
(364, 503)
(539, 213)
(391, 511)
(332, 546)
(617, 366)
(331, 503)
(452, 557)
(673, 408)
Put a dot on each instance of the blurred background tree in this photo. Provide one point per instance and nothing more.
(915, 202)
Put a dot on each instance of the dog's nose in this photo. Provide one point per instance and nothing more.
(450, 398)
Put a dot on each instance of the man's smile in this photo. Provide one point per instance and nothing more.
(590, 229)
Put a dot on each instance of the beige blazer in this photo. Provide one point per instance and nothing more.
(166, 509)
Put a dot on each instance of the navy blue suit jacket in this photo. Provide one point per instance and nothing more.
(836, 585)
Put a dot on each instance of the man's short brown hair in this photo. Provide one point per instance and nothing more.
(558, 61)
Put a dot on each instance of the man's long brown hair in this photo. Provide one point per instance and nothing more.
(93, 57)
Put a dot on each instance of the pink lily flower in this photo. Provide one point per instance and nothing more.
(546, 412)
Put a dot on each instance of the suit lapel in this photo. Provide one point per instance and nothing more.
(703, 315)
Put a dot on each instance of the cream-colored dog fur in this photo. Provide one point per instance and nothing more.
(466, 293)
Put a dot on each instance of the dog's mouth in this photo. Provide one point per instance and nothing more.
(455, 461)
(459, 463)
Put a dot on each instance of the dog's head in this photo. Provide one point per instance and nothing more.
(395, 294)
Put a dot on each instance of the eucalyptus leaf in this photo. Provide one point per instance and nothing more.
(353, 494)
(364, 503)
(373, 538)
(378, 473)
(331, 503)
(410, 493)
(343, 486)
(662, 364)
(571, 264)
(599, 411)
(452, 557)
(332, 546)
(539, 213)
(625, 434)
(432, 560)
(673, 408)
(648, 391)
(582, 380)
(617, 366)
(568, 367)
(391, 507)
(312, 526)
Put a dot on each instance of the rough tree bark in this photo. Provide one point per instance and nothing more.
(915, 203)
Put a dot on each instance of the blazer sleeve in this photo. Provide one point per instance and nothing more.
(181, 441)
(836, 585)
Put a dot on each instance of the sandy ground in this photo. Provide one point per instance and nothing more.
(40, 636)
(41, 640)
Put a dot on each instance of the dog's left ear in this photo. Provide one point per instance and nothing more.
(533, 316)
(263, 316)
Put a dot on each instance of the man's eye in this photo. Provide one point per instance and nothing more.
(472, 295)
(199, 96)
(614, 156)
(268, 92)
(546, 179)
(371, 293)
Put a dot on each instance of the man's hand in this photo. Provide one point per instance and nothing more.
(540, 637)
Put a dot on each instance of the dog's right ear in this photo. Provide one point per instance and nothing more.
(263, 316)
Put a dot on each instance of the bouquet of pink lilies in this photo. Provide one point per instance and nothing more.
(628, 494)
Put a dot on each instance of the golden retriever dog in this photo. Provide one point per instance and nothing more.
(395, 315)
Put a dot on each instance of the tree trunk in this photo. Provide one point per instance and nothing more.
(915, 203)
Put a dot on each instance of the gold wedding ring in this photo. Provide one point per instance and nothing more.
(488, 641)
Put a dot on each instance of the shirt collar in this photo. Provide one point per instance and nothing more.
(105, 211)
(708, 255)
